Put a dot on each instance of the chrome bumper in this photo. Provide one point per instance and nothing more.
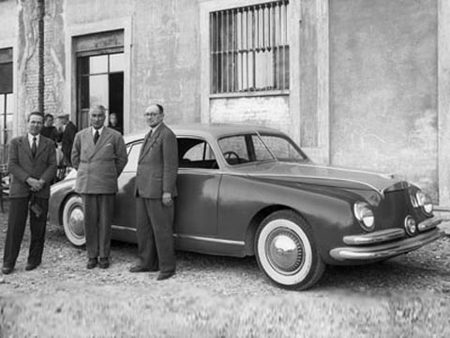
(373, 246)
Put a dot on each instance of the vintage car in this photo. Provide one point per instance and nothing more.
(252, 191)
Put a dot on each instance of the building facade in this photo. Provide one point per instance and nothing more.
(359, 83)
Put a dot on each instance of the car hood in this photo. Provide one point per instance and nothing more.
(324, 175)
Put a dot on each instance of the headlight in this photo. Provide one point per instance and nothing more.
(424, 201)
(364, 215)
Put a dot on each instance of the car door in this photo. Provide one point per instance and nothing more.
(198, 184)
(125, 207)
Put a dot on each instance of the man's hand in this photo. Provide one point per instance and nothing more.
(35, 185)
(167, 199)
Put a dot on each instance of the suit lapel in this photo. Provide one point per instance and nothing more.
(40, 147)
(148, 143)
(104, 137)
(89, 142)
(25, 145)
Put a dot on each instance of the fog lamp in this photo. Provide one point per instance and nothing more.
(410, 225)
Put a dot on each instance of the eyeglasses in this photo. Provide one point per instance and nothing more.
(152, 114)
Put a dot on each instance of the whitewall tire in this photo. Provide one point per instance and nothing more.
(286, 252)
(73, 220)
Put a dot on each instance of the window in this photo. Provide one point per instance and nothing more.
(235, 149)
(133, 157)
(6, 100)
(100, 69)
(249, 48)
(282, 149)
(241, 149)
(195, 153)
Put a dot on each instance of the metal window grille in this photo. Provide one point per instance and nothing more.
(249, 48)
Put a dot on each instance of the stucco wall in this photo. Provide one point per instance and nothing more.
(383, 88)
(164, 63)
(8, 15)
(166, 59)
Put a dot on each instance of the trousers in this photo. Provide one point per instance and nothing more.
(98, 215)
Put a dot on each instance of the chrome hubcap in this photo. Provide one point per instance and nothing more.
(76, 221)
(285, 251)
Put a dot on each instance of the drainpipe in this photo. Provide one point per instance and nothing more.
(41, 83)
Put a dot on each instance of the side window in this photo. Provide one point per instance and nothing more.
(133, 156)
(196, 153)
(234, 149)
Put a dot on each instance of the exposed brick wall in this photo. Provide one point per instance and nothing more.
(269, 111)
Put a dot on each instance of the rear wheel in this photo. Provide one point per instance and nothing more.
(73, 220)
(286, 251)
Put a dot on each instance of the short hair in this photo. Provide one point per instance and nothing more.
(98, 107)
(160, 108)
(63, 117)
(38, 113)
(157, 105)
(46, 116)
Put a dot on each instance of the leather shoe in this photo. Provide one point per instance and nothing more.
(92, 263)
(165, 275)
(31, 266)
(6, 270)
(103, 263)
(138, 268)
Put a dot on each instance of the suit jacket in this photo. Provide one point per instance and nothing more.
(67, 139)
(99, 165)
(22, 165)
(158, 164)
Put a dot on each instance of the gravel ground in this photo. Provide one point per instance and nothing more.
(408, 296)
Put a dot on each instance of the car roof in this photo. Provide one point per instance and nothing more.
(215, 130)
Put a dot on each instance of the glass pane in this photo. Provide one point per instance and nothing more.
(116, 62)
(84, 92)
(261, 151)
(282, 148)
(98, 64)
(9, 127)
(99, 88)
(133, 156)
(10, 103)
(234, 149)
(2, 103)
(83, 65)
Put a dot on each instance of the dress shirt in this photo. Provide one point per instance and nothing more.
(30, 139)
(99, 131)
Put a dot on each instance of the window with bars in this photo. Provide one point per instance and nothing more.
(249, 49)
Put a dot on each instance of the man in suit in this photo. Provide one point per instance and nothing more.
(155, 189)
(99, 154)
(67, 134)
(32, 164)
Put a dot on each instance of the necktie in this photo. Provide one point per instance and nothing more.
(96, 136)
(147, 138)
(33, 147)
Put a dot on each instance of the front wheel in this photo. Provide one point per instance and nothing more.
(73, 220)
(286, 251)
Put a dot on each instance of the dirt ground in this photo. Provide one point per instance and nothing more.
(408, 296)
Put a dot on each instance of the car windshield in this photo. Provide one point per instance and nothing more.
(257, 147)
